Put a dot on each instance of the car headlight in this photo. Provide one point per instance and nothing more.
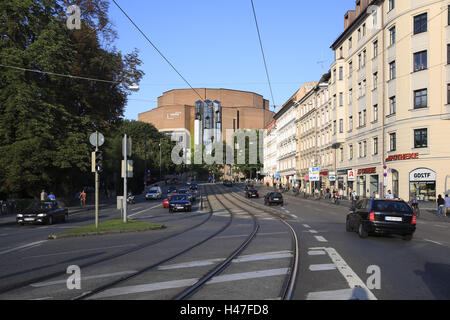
(40, 215)
(19, 215)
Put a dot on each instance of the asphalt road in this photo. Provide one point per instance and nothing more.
(332, 261)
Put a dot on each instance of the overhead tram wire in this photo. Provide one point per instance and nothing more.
(262, 51)
(156, 48)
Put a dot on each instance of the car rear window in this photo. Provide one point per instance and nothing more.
(389, 206)
(277, 195)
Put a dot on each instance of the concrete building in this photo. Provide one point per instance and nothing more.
(206, 118)
(287, 119)
(390, 85)
(270, 153)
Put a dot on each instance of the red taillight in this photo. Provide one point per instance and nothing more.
(270, 199)
(414, 219)
(372, 216)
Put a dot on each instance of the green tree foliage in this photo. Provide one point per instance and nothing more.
(46, 119)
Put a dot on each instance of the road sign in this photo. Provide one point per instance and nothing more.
(129, 169)
(93, 139)
(314, 174)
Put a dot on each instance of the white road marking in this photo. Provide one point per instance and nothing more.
(322, 267)
(246, 235)
(306, 226)
(320, 239)
(136, 209)
(24, 246)
(39, 299)
(188, 282)
(135, 214)
(63, 281)
(313, 231)
(77, 251)
(316, 253)
(241, 259)
(435, 242)
(350, 276)
(345, 294)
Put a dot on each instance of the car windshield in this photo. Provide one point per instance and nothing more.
(178, 198)
(153, 191)
(40, 205)
(183, 191)
(276, 195)
(170, 190)
(390, 206)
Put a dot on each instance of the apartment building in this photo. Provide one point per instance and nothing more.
(270, 153)
(390, 86)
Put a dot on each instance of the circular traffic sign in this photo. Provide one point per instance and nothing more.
(93, 139)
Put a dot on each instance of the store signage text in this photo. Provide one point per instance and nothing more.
(367, 171)
(406, 156)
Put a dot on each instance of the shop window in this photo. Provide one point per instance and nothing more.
(424, 191)
(421, 138)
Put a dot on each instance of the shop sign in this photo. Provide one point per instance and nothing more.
(332, 178)
(367, 171)
(406, 156)
(324, 173)
(422, 175)
(351, 176)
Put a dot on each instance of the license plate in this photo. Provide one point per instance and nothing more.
(180, 207)
(276, 199)
(397, 219)
(29, 219)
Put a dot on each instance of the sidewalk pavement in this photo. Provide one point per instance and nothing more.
(427, 212)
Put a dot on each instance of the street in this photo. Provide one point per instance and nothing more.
(161, 265)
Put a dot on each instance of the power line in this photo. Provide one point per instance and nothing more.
(262, 51)
(58, 74)
(157, 50)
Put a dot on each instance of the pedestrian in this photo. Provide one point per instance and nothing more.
(341, 194)
(389, 195)
(440, 205)
(447, 205)
(43, 195)
(51, 197)
(377, 195)
(83, 198)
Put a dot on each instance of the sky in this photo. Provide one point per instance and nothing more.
(214, 44)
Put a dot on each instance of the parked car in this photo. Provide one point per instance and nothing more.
(273, 198)
(252, 193)
(180, 203)
(227, 183)
(154, 193)
(382, 216)
(43, 212)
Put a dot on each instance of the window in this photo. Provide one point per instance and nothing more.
(392, 142)
(341, 73)
(421, 138)
(359, 61)
(391, 4)
(334, 127)
(359, 34)
(449, 15)
(375, 80)
(341, 99)
(375, 113)
(350, 68)
(334, 75)
(342, 154)
(360, 150)
(448, 54)
(350, 123)
(375, 146)
(420, 61)
(375, 49)
(349, 44)
(364, 57)
(420, 23)
(341, 53)
(341, 126)
(448, 93)
(350, 151)
(392, 70)
(420, 99)
(392, 34)
(364, 149)
(350, 96)
(364, 29)
(364, 117)
(360, 119)
(392, 105)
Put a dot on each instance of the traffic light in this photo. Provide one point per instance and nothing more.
(98, 161)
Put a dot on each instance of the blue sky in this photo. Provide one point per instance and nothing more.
(214, 44)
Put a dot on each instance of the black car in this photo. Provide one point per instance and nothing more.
(186, 192)
(273, 198)
(193, 186)
(249, 186)
(252, 193)
(43, 212)
(227, 183)
(180, 202)
(172, 190)
(382, 216)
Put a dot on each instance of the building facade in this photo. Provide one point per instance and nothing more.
(390, 87)
(270, 153)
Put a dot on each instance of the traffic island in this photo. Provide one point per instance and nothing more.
(108, 227)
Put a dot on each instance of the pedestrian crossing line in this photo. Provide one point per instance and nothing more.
(322, 267)
(241, 259)
(313, 231)
(316, 253)
(307, 226)
(151, 287)
(320, 239)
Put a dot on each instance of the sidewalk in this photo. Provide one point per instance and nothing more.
(427, 213)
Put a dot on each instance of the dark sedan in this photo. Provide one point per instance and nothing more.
(227, 183)
(382, 216)
(252, 193)
(43, 212)
(180, 203)
(273, 198)
(187, 193)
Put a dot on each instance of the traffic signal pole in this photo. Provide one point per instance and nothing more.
(97, 183)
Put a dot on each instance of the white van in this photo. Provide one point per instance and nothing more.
(155, 193)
